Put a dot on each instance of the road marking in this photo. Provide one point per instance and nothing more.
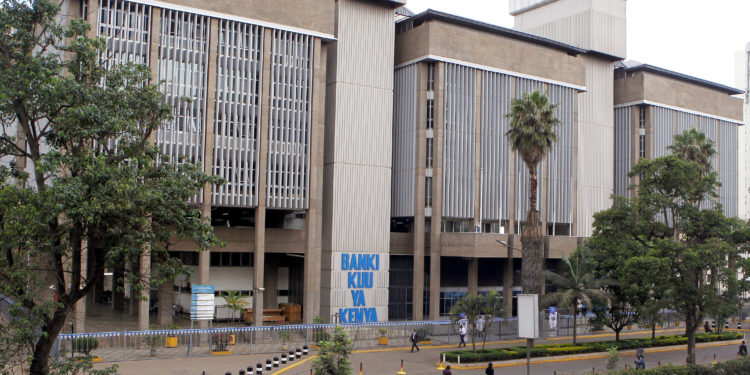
(294, 365)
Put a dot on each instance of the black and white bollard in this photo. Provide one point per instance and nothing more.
(739, 324)
(298, 354)
(291, 355)
(250, 370)
(269, 364)
(259, 369)
(228, 373)
(242, 372)
(305, 350)
(726, 324)
(275, 361)
(283, 359)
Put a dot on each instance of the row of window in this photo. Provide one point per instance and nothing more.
(218, 259)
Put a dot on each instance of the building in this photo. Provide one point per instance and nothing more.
(652, 105)
(742, 81)
(368, 175)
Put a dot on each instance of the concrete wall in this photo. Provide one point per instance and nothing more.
(479, 47)
(313, 15)
(357, 172)
(243, 240)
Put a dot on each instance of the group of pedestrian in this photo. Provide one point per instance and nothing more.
(488, 371)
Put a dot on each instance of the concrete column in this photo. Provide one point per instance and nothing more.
(473, 276)
(508, 280)
(271, 283)
(419, 193)
(166, 300)
(79, 320)
(314, 217)
(92, 17)
(437, 194)
(143, 301)
(574, 225)
(260, 211)
(154, 41)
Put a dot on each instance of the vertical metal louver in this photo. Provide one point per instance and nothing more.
(727, 155)
(623, 149)
(183, 61)
(496, 97)
(525, 86)
(290, 120)
(238, 105)
(126, 28)
(663, 130)
(404, 140)
(560, 172)
(459, 127)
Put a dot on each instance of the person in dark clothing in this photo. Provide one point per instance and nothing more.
(489, 370)
(743, 350)
(447, 371)
(414, 340)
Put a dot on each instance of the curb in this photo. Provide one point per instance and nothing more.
(578, 357)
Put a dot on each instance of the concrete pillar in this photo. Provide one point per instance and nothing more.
(143, 301)
(166, 300)
(512, 209)
(314, 217)
(473, 276)
(260, 211)
(508, 280)
(437, 194)
(79, 320)
(271, 283)
(419, 196)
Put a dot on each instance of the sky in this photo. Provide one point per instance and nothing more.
(698, 38)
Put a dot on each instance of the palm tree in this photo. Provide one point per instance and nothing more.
(693, 145)
(493, 308)
(576, 284)
(532, 134)
(468, 307)
(234, 301)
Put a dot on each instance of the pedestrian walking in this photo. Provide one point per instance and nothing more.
(414, 340)
(489, 370)
(480, 326)
(743, 350)
(447, 371)
(462, 335)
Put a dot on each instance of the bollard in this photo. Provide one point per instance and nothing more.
(242, 372)
(714, 362)
(626, 366)
(593, 370)
(658, 364)
(259, 369)
(360, 368)
(268, 365)
(726, 325)
(275, 361)
(249, 370)
(291, 356)
(298, 353)
(283, 358)
(228, 373)
(739, 324)
(305, 350)
(402, 369)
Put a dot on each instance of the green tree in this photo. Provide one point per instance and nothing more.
(493, 308)
(531, 135)
(468, 307)
(234, 301)
(96, 180)
(694, 146)
(333, 357)
(576, 284)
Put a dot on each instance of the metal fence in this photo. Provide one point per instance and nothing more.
(138, 345)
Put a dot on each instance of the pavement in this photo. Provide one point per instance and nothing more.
(387, 360)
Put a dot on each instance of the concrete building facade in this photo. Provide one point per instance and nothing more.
(368, 176)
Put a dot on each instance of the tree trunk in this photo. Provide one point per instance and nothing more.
(575, 323)
(690, 325)
(532, 189)
(617, 335)
(533, 254)
(653, 331)
(43, 347)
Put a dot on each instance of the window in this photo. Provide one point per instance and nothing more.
(428, 192)
(456, 226)
(491, 227)
(227, 259)
(430, 95)
(642, 132)
(428, 161)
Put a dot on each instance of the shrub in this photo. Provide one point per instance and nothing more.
(735, 366)
(84, 345)
(515, 352)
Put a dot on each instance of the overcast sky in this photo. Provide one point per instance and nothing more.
(695, 37)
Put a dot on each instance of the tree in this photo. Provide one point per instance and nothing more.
(694, 146)
(469, 307)
(234, 302)
(96, 181)
(691, 250)
(576, 284)
(333, 357)
(493, 308)
(532, 134)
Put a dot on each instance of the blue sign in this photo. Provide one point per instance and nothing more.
(359, 277)
(202, 289)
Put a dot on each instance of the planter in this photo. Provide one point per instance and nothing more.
(231, 339)
(630, 327)
(425, 342)
(383, 340)
(171, 342)
(223, 352)
(283, 347)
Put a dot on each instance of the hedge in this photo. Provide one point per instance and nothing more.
(740, 366)
(515, 352)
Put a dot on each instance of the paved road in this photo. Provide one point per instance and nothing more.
(421, 363)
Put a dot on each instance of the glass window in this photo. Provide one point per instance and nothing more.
(428, 192)
(428, 161)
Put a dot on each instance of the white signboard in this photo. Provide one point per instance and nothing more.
(202, 302)
(528, 316)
